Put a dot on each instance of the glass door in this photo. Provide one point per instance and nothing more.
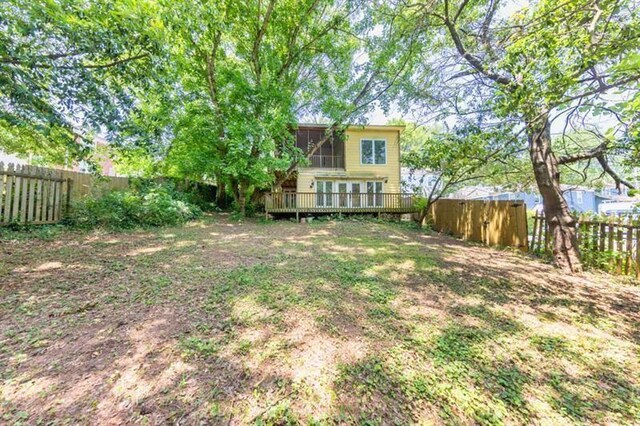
(374, 194)
(355, 194)
(324, 189)
(343, 195)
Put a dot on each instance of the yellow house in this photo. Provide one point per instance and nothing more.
(356, 170)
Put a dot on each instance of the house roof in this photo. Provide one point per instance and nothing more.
(398, 128)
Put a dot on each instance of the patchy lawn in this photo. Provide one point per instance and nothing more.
(284, 323)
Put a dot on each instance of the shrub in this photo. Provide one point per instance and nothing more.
(152, 205)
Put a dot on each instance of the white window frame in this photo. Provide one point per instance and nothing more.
(373, 150)
(579, 197)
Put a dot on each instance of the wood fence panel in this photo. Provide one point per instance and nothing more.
(610, 243)
(38, 195)
(495, 223)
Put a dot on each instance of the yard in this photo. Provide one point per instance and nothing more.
(331, 322)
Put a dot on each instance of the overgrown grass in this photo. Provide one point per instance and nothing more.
(338, 322)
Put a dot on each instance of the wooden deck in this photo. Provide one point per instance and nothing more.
(333, 202)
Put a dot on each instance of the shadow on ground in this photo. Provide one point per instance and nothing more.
(279, 323)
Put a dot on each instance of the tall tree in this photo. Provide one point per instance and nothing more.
(245, 71)
(546, 62)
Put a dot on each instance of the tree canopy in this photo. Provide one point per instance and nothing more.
(212, 89)
(68, 68)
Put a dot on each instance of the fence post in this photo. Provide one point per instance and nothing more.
(637, 251)
(68, 202)
(629, 250)
(534, 232)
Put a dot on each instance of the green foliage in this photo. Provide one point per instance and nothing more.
(16, 232)
(593, 257)
(156, 205)
(240, 72)
(458, 157)
(68, 64)
(195, 347)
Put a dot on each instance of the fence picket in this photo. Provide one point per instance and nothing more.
(637, 252)
(38, 215)
(617, 237)
(23, 203)
(45, 200)
(32, 192)
(2, 186)
(532, 245)
(628, 258)
(15, 209)
(619, 248)
(50, 205)
(56, 203)
(8, 194)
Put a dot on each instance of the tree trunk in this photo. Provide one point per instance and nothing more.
(242, 198)
(562, 225)
(220, 193)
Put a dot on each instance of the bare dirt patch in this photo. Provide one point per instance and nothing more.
(331, 322)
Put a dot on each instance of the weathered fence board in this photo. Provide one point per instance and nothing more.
(20, 202)
(495, 223)
(605, 243)
(38, 195)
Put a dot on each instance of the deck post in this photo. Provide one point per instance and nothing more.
(297, 216)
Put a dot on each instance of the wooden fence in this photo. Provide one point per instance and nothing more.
(494, 223)
(609, 243)
(84, 184)
(38, 195)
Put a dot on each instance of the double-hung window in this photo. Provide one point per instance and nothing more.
(373, 151)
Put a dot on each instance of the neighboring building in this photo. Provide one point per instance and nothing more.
(612, 192)
(531, 199)
(579, 199)
(620, 208)
(355, 170)
(582, 199)
(100, 156)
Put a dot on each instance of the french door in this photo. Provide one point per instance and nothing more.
(348, 194)
(374, 194)
(324, 193)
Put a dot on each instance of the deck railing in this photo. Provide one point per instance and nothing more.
(284, 202)
(327, 161)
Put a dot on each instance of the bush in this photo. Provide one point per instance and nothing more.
(151, 205)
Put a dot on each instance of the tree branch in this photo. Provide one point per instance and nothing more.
(617, 179)
(593, 153)
(471, 59)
